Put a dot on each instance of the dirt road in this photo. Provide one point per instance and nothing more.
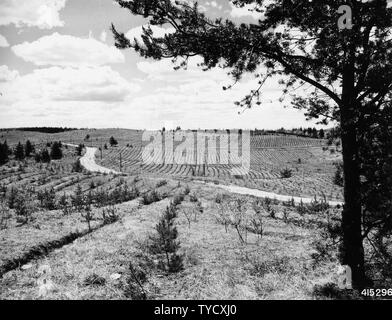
(265, 194)
(88, 161)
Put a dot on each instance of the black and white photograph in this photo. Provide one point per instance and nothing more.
(195, 150)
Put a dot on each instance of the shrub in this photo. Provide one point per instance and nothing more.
(285, 215)
(3, 191)
(79, 150)
(289, 203)
(23, 209)
(113, 141)
(109, 215)
(64, 205)
(76, 166)
(150, 197)
(94, 280)
(12, 197)
(237, 208)
(47, 199)
(222, 216)
(177, 199)
(193, 198)
(101, 198)
(86, 212)
(318, 206)
(161, 183)
(301, 208)
(286, 173)
(4, 215)
(77, 199)
(257, 219)
(122, 194)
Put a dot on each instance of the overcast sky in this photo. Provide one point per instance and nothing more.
(58, 67)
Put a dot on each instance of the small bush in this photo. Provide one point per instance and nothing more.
(133, 286)
(94, 280)
(257, 219)
(5, 215)
(64, 205)
(150, 197)
(77, 198)
(23, 209)
(86, 212)
(177, 199)
(161, 183)
(12, 197)
(318, 206)
(193, 198)
(76, 166)
(110, 215)
(47, 199)
(286, 173)
(113, 141)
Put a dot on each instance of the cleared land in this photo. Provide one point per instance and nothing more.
(57, 255)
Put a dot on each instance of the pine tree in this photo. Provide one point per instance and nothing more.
(4, 153)
(77, 199)
(79, 150)
(165, 241)
(29, 148)
(56, 153)
(113, 141)
(19, 152)
(45, 157)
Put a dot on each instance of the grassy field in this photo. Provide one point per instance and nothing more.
(231, 247)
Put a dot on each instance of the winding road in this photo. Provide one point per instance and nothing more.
(88, 162)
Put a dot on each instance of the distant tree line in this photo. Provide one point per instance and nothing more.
(301, 132)
(42, 129)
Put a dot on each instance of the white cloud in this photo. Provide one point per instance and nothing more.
(66, 84)
(43, 14)
(3, 42)
(246, 11)
(136, 33)
(66, 50)
(7, 75)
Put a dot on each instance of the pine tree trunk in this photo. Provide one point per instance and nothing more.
(352, 251)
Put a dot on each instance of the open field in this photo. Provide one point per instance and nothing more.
(226, 254)
(312, 163)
